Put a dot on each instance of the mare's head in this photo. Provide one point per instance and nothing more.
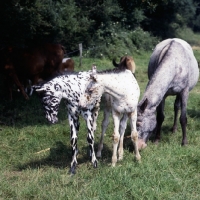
(51, 95)
(93, 91)
(146, 122)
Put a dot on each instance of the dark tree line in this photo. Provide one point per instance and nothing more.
(25, 22)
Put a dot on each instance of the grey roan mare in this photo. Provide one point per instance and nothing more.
(172, 70)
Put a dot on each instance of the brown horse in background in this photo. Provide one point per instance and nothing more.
(32, 63)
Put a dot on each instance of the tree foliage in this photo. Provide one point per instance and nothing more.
(91, 22)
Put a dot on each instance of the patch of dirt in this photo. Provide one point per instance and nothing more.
(196, 47)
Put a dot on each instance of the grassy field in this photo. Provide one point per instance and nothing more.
(35, 156)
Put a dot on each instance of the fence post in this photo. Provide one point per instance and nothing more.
(80, 50)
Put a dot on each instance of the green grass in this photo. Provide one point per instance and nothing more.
(35, 156)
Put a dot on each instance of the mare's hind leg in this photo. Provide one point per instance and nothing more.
(134, 133)
(74, 125)
(160, 118)
(183, 117)
(122, 128)
(104, 126)
(177, 105)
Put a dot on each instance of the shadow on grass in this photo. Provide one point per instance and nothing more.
(193, 113)
(60, 157)
(21, 113)
(166, 137)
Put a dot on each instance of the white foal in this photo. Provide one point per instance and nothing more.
(124, 94)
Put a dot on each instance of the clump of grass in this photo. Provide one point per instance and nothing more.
(188, 35)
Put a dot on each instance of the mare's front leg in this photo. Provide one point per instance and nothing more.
(73, 118)
(90, 122)
(134, 133)
(177, 105)
(160, 118)
(116, 118)
(183, 117)
(122, 128)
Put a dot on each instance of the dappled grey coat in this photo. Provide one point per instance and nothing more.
(172, 70)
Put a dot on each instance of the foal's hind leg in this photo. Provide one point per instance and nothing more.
(183, 117)
(105, 122)
(122, 128)
(177, 104)
(104, 126)
(90, 137)
(134, 133)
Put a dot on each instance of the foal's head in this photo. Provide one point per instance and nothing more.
(50, 94)
(93, 91)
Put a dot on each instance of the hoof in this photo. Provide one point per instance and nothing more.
(113, 164)
(184, 143)
(72, 170)
(95, 164)
(120, 158)
(98, 154)
(173, 129)
(156, 141)
(138, 161)
(141, 144)
(138, 158)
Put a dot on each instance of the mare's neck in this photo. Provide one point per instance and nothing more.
(158, 85)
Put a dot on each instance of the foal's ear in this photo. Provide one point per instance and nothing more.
(93, 77)
(144, 105)
(94, 69)
(39, 89)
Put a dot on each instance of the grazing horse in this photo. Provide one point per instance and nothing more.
(172, 70)
(33, 63)
(67, 65)
(70, 87)
(124, 91)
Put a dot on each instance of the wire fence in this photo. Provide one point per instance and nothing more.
(81, 50)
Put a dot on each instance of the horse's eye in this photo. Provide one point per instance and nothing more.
(89, 91)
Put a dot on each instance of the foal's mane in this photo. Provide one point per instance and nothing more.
(111, 71)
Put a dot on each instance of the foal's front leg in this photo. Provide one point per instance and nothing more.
(122, 128)
(74, 128)
(88, 116)
(116, 136)
(134, 133)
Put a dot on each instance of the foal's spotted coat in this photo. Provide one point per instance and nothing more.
(70, 87)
